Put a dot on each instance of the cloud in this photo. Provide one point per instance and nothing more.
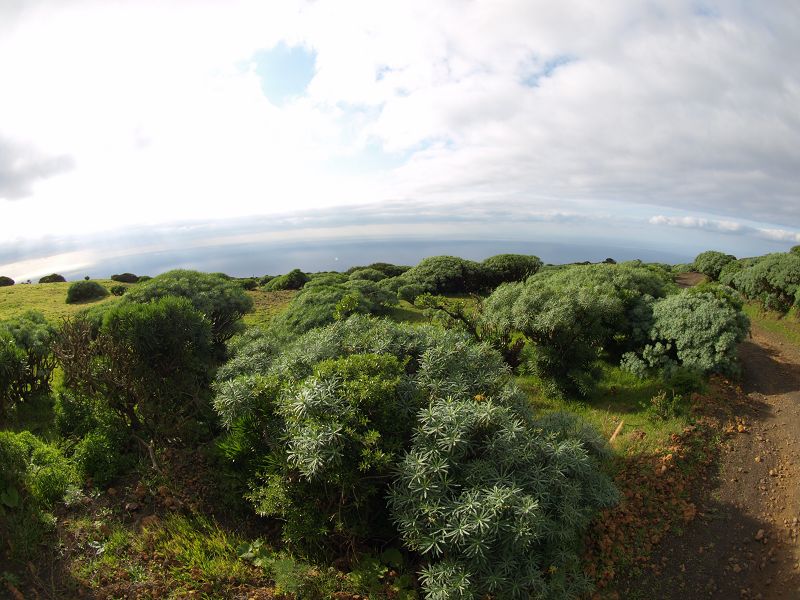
(688, 222)
(480, 104)
(21, 167)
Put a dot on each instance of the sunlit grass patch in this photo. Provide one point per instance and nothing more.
(47, 298)
(787, 326)
(267, 305)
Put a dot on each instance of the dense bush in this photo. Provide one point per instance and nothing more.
(26, 360)
(327, 298)
(710, 263)
(445, 275)
(698, 331)
(125, 278)
(4, 281)
(222, 301)
(81, 291)
(293, 280)
(320, 429)
(388, 269)
(52, 278)
(118, 290)
(368, 274)
(505, 268)
(35, 476)
(572, 315)
(248, 283)
(772, 280)
(148, 362)
(99, 455)
(497, 501)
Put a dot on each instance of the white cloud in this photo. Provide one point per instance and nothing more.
(689, 222)
(164, 119)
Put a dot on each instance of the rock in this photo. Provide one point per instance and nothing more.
(760, 534)
(132, 506)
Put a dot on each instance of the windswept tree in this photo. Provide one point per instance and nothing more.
(710, 263)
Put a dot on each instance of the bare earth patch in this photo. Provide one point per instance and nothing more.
(744, 543)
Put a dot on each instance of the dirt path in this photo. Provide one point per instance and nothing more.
(744, 543)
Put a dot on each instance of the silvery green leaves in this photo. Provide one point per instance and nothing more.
(495, 505)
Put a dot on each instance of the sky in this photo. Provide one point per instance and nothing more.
(253, 137)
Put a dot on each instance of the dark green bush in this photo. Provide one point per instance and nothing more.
(82, 291)
(248, 283)
(388, 269)
(222, 301)
(446, 275)
(293, 280)
(118, 290)
(368, 274)
(52, 278)
(143, 278)
(410, 292)
(125, 278)
(710, 263)
(148, 362)
(34, 476)
(26, 361)
(4, 281)
(100, 456)
(504, 268)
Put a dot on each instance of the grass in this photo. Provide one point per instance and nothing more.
(619, 396)
(786, 326)
(47, 298)
(267, 305)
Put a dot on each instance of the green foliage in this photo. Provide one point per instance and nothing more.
(497, 502)
(148, 362)
(52, 278)
(567, 324)
(504, 268)
(26, 361)
(293, 280)
(322, 299)
(125, 278)
(795, 249)
(711, 263)
(446, 275)
(118, 290)
(82, 291)
(5, 281)
(696, 331)
(222, 301)
(326, 427)
(100, 455)
(35, 476)
(368, 274)
(664, 406)
(411, 292)
(773, 281)
(389, 270)
(248, 283)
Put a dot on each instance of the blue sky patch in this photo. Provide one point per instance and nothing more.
(537, 70)
(285, 71)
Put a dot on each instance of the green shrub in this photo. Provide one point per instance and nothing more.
(368, 274)
(773, 281)
(52, 278)
(446, 275)
(696, 331)
(148, 362)
(4, 281)
(125, 278)
(82, 291)
(26, 360)
(118, 290)
(504, 268)
(100, 455)
(222, 301)
(143, 278)
(388, 269)
(321, 300)
(497, 502)
(323, 429)
(35, 476)
(710, 263)
(410, 292)
(248, 283)
(293, 280)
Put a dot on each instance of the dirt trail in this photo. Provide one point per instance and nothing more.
(744, 543)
